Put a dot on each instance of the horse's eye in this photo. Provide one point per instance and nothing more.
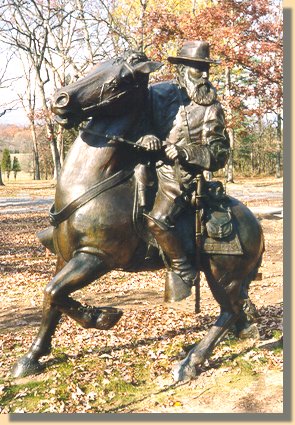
(127, 76)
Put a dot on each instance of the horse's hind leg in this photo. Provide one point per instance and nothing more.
(230, 303)
(245, 326)
(199, 353)
(77, 273)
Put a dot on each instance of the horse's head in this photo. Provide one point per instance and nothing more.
(111, 87)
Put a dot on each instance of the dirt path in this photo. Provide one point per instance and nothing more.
(241, 377)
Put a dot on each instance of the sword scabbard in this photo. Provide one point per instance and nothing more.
(198, 235)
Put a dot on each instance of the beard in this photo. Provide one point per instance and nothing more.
(202, 93)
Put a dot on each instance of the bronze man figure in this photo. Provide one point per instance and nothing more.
(190, 121)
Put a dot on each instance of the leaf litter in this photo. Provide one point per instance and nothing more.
(128, 368)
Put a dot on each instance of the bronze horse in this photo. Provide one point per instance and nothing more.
(93, 229)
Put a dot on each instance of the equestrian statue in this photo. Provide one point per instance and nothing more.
(132, 191)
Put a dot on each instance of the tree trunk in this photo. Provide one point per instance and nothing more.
(37, 175)
(55, 157)
(143, 23)
(279, 142)
(49, 127)
(1, 181)
(230, 164)
(60, 144)
(252, 160)
(54, 150)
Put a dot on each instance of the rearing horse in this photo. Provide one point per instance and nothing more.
(93, 228)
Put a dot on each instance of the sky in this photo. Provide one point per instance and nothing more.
(8, 92)
(14, 117)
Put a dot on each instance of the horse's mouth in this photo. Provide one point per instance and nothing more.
(66, 122)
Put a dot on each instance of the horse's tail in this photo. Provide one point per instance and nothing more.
(252, 275)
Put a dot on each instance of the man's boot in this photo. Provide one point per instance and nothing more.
(181, 276)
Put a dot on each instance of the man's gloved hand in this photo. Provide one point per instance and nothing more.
(150, 143)
(174, 152)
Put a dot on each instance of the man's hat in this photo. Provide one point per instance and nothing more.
(193, 51)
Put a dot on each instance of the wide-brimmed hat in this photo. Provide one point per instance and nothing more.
(193, 51)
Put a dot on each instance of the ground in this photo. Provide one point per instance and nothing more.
(128, 369)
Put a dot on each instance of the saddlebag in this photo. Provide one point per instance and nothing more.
(219, 224)
(220, 235)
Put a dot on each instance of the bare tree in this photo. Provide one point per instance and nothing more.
(127, 25)
(73, 45)
(24, 26)
(78, 37)
(28, 101)
(5, 82)
(59, 41)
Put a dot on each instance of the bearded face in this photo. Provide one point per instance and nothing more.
(195, 80)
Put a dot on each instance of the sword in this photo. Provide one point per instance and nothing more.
(119, 139)
(112, 138)
(199, 207)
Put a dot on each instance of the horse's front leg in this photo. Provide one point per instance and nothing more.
(77, 273)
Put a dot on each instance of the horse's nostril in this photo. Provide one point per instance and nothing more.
(62, 100)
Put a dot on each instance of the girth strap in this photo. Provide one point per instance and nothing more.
(58, 217)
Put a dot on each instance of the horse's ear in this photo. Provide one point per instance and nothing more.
(147, 67)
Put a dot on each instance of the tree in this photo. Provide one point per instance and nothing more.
(25, 29)
(28, 101)
(247, 36)
(15, 166)
(6, 81)
(58, 39)
(1, 180)
(6, 162)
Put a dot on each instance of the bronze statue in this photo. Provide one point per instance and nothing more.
(96, 222)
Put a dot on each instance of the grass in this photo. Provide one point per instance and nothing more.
(23, 396)
(126, 382)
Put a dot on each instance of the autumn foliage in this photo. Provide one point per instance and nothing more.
(245, 34)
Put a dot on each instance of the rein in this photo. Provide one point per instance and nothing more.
(112, 138)
(56, 218)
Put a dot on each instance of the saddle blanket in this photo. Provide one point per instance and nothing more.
(227, 246)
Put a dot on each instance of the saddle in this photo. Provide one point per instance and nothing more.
(218, 233)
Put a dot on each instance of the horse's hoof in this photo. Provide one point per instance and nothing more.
(250, 332)
(25, 367)
(107, 317)
(184, 371)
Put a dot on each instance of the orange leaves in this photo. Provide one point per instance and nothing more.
(245, 35)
